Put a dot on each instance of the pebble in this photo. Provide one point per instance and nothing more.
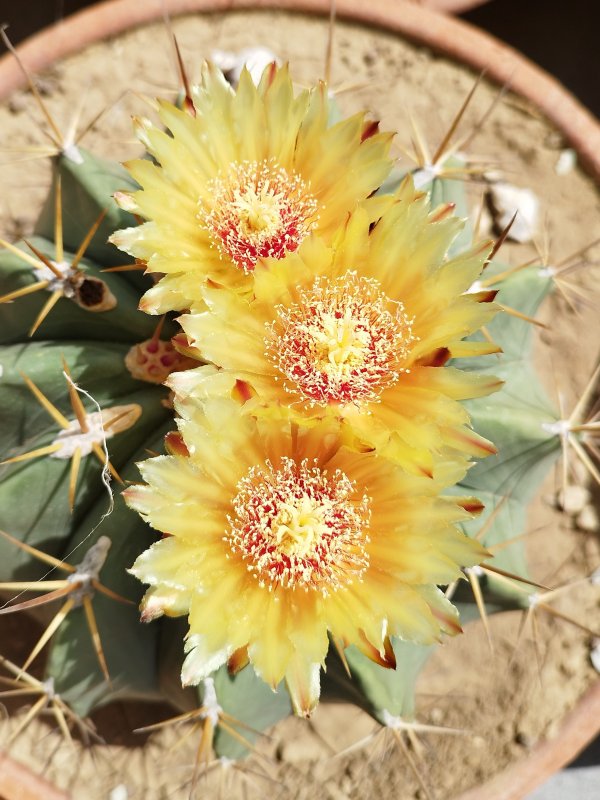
(573, 499)
(525, 740)
(565, 162)
(506, 199)
(336, 793)
(595, 654)
(302, 749)
(17, 103)
(587, 519)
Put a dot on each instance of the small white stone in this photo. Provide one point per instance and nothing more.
(492, 175)
(566, 161)
(587, 519)
(301, 749)
(120, 792)
(506, 199)
(595, 654)
(573, 499)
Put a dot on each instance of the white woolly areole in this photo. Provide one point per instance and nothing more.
(73, 153)
(561, 427)
(424, 176)
(56, 284)
(212, 709)
(89, 570)
(476, 570)
(48, 686)
(255, 59)
(547, 272)
(73, 437)
(390, 721)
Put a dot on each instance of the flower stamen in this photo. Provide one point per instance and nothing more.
(343, 342)
(258, 210)
(299, 527)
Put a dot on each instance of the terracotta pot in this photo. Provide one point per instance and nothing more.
(456, 39)
(453, 37)
(453, 6)
(18, 783)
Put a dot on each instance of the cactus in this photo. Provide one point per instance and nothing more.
(83, 374)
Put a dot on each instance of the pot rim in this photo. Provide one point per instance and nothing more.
(454, 6)
(18, 782)
(453, 37)
(458, 40)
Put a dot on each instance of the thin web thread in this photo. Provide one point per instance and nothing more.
(105, 477)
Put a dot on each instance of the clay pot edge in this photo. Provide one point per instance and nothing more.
(453, 37)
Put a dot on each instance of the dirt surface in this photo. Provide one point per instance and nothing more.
(502, 701)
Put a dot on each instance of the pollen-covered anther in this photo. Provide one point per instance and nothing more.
(343, 342)
(298, 527)
(258, 210)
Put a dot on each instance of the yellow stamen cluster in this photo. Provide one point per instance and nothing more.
(343, 342)
(258, 210)
(298, 527)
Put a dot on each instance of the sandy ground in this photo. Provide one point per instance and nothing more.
(501, 700)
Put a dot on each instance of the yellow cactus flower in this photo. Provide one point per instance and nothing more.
(280, 536)
(359, 331)
(244, 178)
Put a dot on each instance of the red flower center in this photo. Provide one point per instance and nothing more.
(258, 210)
(299, 527)
(343, 342)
